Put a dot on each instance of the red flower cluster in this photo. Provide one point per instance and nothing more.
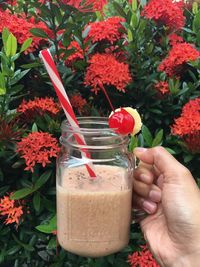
(98, 4)
(21, 27)
(78, 102)
(86, 6)
(187, 125)
(109, 30)
(38, 147)
(11, 2)
(142, 258)
(11, 210)
(167, 12)
(38, 106)
(78, 53)
(179, 55)
(104, 69)
(175, 39)
(162, 87)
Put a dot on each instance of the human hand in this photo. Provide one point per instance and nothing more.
(167, 191)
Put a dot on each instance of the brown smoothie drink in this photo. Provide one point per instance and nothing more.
(93, 216)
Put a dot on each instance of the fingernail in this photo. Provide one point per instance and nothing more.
(155, 195)
(149, 207)
(145, 178)
(140, 150)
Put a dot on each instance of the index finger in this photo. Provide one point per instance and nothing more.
(160, 159)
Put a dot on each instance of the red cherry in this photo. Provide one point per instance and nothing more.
(122, 122)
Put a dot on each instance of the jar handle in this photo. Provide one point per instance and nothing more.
(132, 160)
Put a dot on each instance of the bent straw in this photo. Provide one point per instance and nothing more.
(65, 103)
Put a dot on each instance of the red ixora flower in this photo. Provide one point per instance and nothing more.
(162, 87)
(38, 106)
(167, 12)
(87, 5)
(175, 39)
(104, 69)
(76, 55)
(179, 55)
(109, 30)
(142, 258)
(187, 126)
(21, 27)
(38, 147)
(10, 210)
(78, 102)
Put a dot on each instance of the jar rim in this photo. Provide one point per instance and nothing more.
(65, 126)
(103, 131)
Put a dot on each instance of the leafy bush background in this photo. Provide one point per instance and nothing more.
(32, 242)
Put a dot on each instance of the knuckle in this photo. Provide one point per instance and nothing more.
(185, 172)
(141, 189)
(158, 150)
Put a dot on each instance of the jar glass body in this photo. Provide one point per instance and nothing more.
(93, 214)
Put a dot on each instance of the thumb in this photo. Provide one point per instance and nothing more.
(163, 161)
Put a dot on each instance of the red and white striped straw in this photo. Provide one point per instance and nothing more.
(65, 103)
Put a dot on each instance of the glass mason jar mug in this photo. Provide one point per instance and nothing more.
(93, 214)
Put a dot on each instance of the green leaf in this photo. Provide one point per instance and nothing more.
(21, 193)
(52, 243)
(57, 13)
(134, 5)
(134, 20)
(147, 135)
(53, 221)
(39, 32)
(188, 158)
(171, 151)
(2, 255)
(85, 32)
(156, 111)
(48, 228)
(5, 35)
(36, 201)
(130, 36)
(198, 182)
(26, 45)
(187, 30)
(25, 246)
(196, 23)
(158, 139)
(119, 9)
(13, 250)
(31, 65)
(2, 91)
(18, 76)
(49, 205)
(140, 140)
(143, 2)
(15, 57)
(34, 128)
(42, 180)
(11, 45)
(198, 38)
(133, 143)
(111, 259)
